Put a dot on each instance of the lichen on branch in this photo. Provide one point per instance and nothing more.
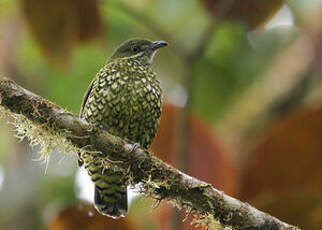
(45, 123)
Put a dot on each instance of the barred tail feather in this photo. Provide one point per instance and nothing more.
(115, 208)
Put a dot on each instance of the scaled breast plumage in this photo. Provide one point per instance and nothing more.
(125, 99)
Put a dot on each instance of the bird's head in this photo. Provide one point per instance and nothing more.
(138, 48)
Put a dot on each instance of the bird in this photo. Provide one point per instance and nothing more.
(125, 99)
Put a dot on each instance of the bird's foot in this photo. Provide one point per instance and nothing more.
(80, 160)
(98, 126)
(135, 147)
(80, 163)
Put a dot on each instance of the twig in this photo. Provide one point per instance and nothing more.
(157, 178)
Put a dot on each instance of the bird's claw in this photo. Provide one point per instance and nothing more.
(80, 163)
(135, 147)
(98, 126)
(80, 160)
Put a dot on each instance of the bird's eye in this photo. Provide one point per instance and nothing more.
(135, 49)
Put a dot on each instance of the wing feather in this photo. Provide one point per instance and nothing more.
(86, 95)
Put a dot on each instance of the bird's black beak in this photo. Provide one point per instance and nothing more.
(158, 44)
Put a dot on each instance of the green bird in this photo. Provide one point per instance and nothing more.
(124, 98)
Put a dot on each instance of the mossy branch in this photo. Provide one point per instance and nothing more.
(47, 124)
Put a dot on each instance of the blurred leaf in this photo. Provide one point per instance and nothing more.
(142, 209)
(301, 208)
(209, 151)
(250, 12)
(229, 66)
(276, 78)
(56, 189)
(205, 149)
(57, 25)
(313, 27)
(139, 4)
(287, 157)
(7, 8)
(285, 164)
(89, 23)
(66, 88)
(85, 217)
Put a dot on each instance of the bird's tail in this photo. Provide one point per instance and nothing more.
(113, 205)
(110, 192)
(110, 197)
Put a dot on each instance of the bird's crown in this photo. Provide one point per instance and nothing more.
(138, 48)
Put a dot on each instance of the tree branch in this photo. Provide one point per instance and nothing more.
(157, 179)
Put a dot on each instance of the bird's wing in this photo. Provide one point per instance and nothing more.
(86, 95)
(103, 73)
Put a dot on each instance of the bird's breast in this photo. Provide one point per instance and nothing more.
(132, 106)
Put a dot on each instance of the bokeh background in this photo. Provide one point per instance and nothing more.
(243, 103)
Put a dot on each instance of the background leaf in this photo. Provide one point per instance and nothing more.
(250, 12)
